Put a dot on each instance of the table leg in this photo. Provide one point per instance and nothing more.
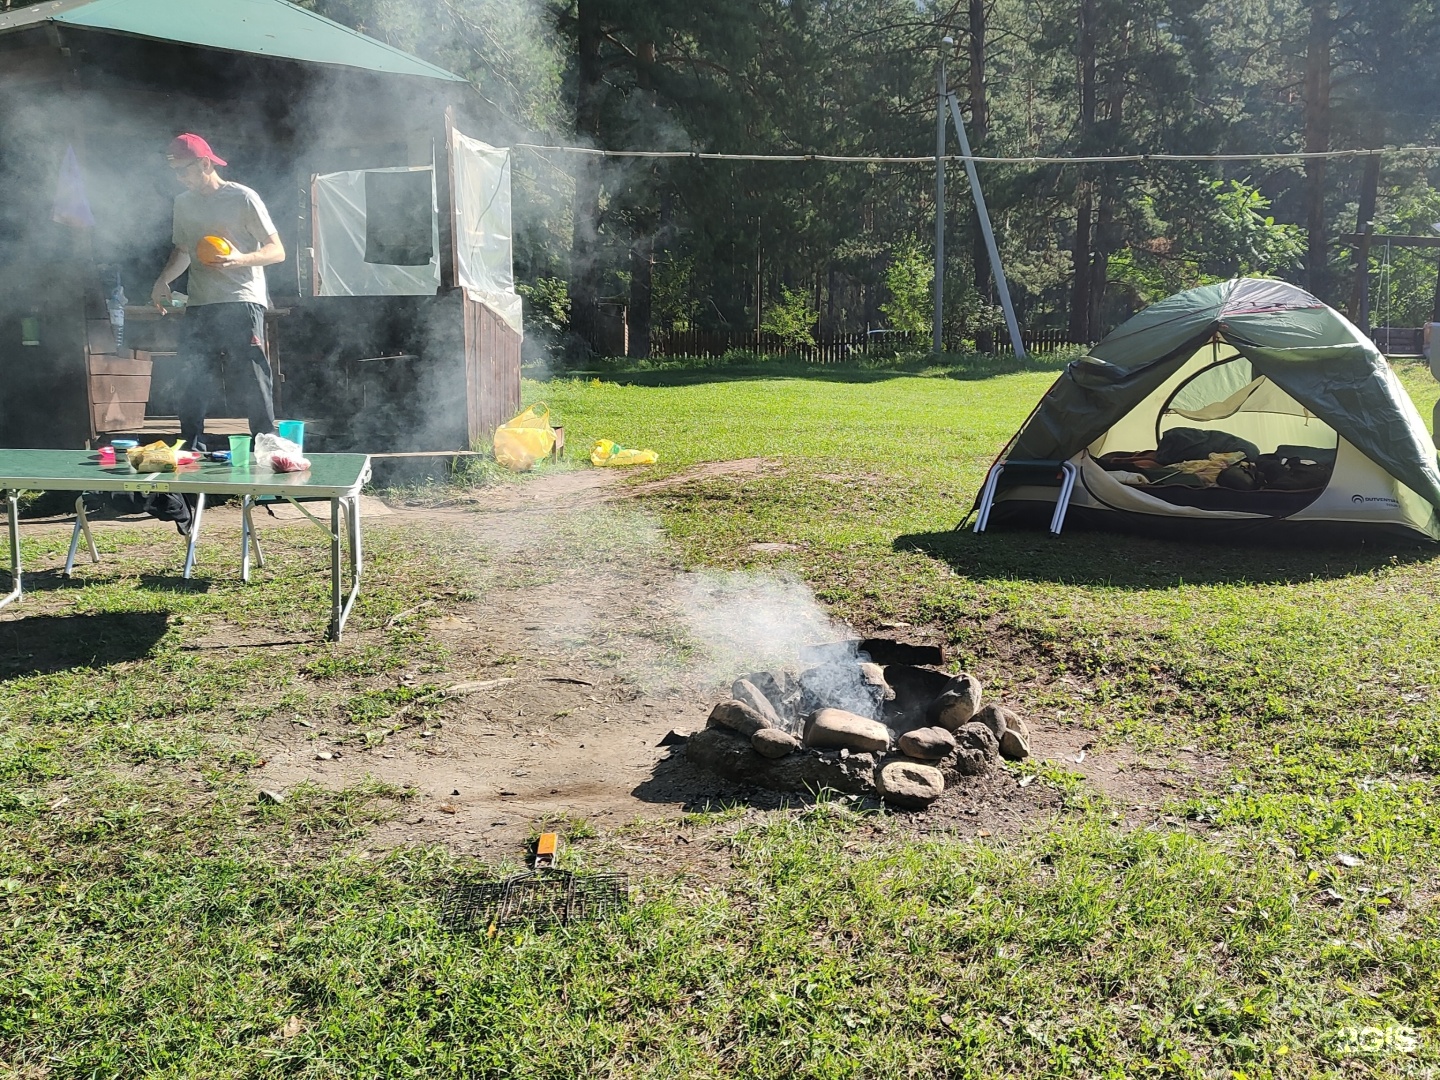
(82, 524)
(356, 560)
(245, 538)
(249, 538)
(255, 540)
(194, 534)
(340, 611)
(13, 500)
(75, 536)
(336, 622)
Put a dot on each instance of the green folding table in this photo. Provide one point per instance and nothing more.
(337, 478)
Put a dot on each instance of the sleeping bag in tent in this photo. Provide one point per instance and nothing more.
(1244, 407)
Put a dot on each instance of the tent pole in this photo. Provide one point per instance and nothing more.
(1001, 287)
(937, 329)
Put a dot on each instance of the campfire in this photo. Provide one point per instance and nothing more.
(874, 717)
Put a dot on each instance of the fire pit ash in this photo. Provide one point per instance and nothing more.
(873, 717)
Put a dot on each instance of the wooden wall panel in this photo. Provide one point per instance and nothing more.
(106, 388)
(119, 390)
(492, 371)
(117, 417)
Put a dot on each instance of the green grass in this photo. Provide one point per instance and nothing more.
(156, 920)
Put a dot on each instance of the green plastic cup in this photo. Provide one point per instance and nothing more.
(239, 451)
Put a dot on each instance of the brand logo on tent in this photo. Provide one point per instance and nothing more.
(1378, 500)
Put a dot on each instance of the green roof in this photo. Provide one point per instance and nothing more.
(263, 27)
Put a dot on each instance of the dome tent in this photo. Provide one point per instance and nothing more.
(1321, 434)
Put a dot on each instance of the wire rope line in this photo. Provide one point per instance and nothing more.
(871, 159)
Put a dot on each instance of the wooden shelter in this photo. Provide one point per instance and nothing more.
(283, 95)
(1391, 340)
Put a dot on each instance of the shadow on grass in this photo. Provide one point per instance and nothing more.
(46, 581)
(228, 646)
(45, 644)
(695, 371)
(174, 583)
(58, 508)
(675, 780)
(1139, 562)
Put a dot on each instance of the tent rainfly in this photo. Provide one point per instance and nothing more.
(1244, 407)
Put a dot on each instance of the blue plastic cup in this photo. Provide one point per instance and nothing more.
(292, 431)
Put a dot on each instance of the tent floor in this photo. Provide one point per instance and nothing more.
(1035, 514)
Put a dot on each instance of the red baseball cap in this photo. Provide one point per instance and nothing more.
(186, 146)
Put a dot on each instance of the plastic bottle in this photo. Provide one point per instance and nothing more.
(116, 304)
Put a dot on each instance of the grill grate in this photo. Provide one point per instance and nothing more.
(542, 898)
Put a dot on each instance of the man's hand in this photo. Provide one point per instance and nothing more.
(267, 254)
(174, 266)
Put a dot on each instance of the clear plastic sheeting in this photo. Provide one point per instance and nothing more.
(347, 230)
(342, 228)
(482, 227)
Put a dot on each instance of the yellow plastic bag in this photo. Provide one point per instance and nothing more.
(521, 442)
(605, 452)
(153, 457)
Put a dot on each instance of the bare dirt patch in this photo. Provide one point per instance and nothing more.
(571, 671)
(569, 656)
(709, 470)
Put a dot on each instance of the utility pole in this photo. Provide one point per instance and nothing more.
(941, 96)
(1001, 286)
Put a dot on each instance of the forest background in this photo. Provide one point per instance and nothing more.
(801, 249)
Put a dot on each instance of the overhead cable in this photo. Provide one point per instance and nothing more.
(868, 159)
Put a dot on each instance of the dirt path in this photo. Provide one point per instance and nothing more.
(564, 670)
(571, 669)
(574, 644)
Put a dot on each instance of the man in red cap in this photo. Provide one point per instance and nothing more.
(225, 316)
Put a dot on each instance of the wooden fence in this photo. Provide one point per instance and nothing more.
(1040, 342)
(836, 348)
(1399, 340)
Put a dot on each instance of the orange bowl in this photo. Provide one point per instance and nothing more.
(211, 248)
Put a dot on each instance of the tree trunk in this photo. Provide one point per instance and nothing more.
(1080, 253)
(759, 292)
(584, 244)
(642, 278)
(1105, 238)
(979, 128)
(642, 250)
(1359, 310)
(829, 327)
(979, 105)
(1085, 55)
(1080, 260)
(1317, 140)
(1104, 244)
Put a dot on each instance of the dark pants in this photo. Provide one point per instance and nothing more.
(224, 345)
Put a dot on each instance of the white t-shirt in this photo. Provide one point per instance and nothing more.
(236, 213)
